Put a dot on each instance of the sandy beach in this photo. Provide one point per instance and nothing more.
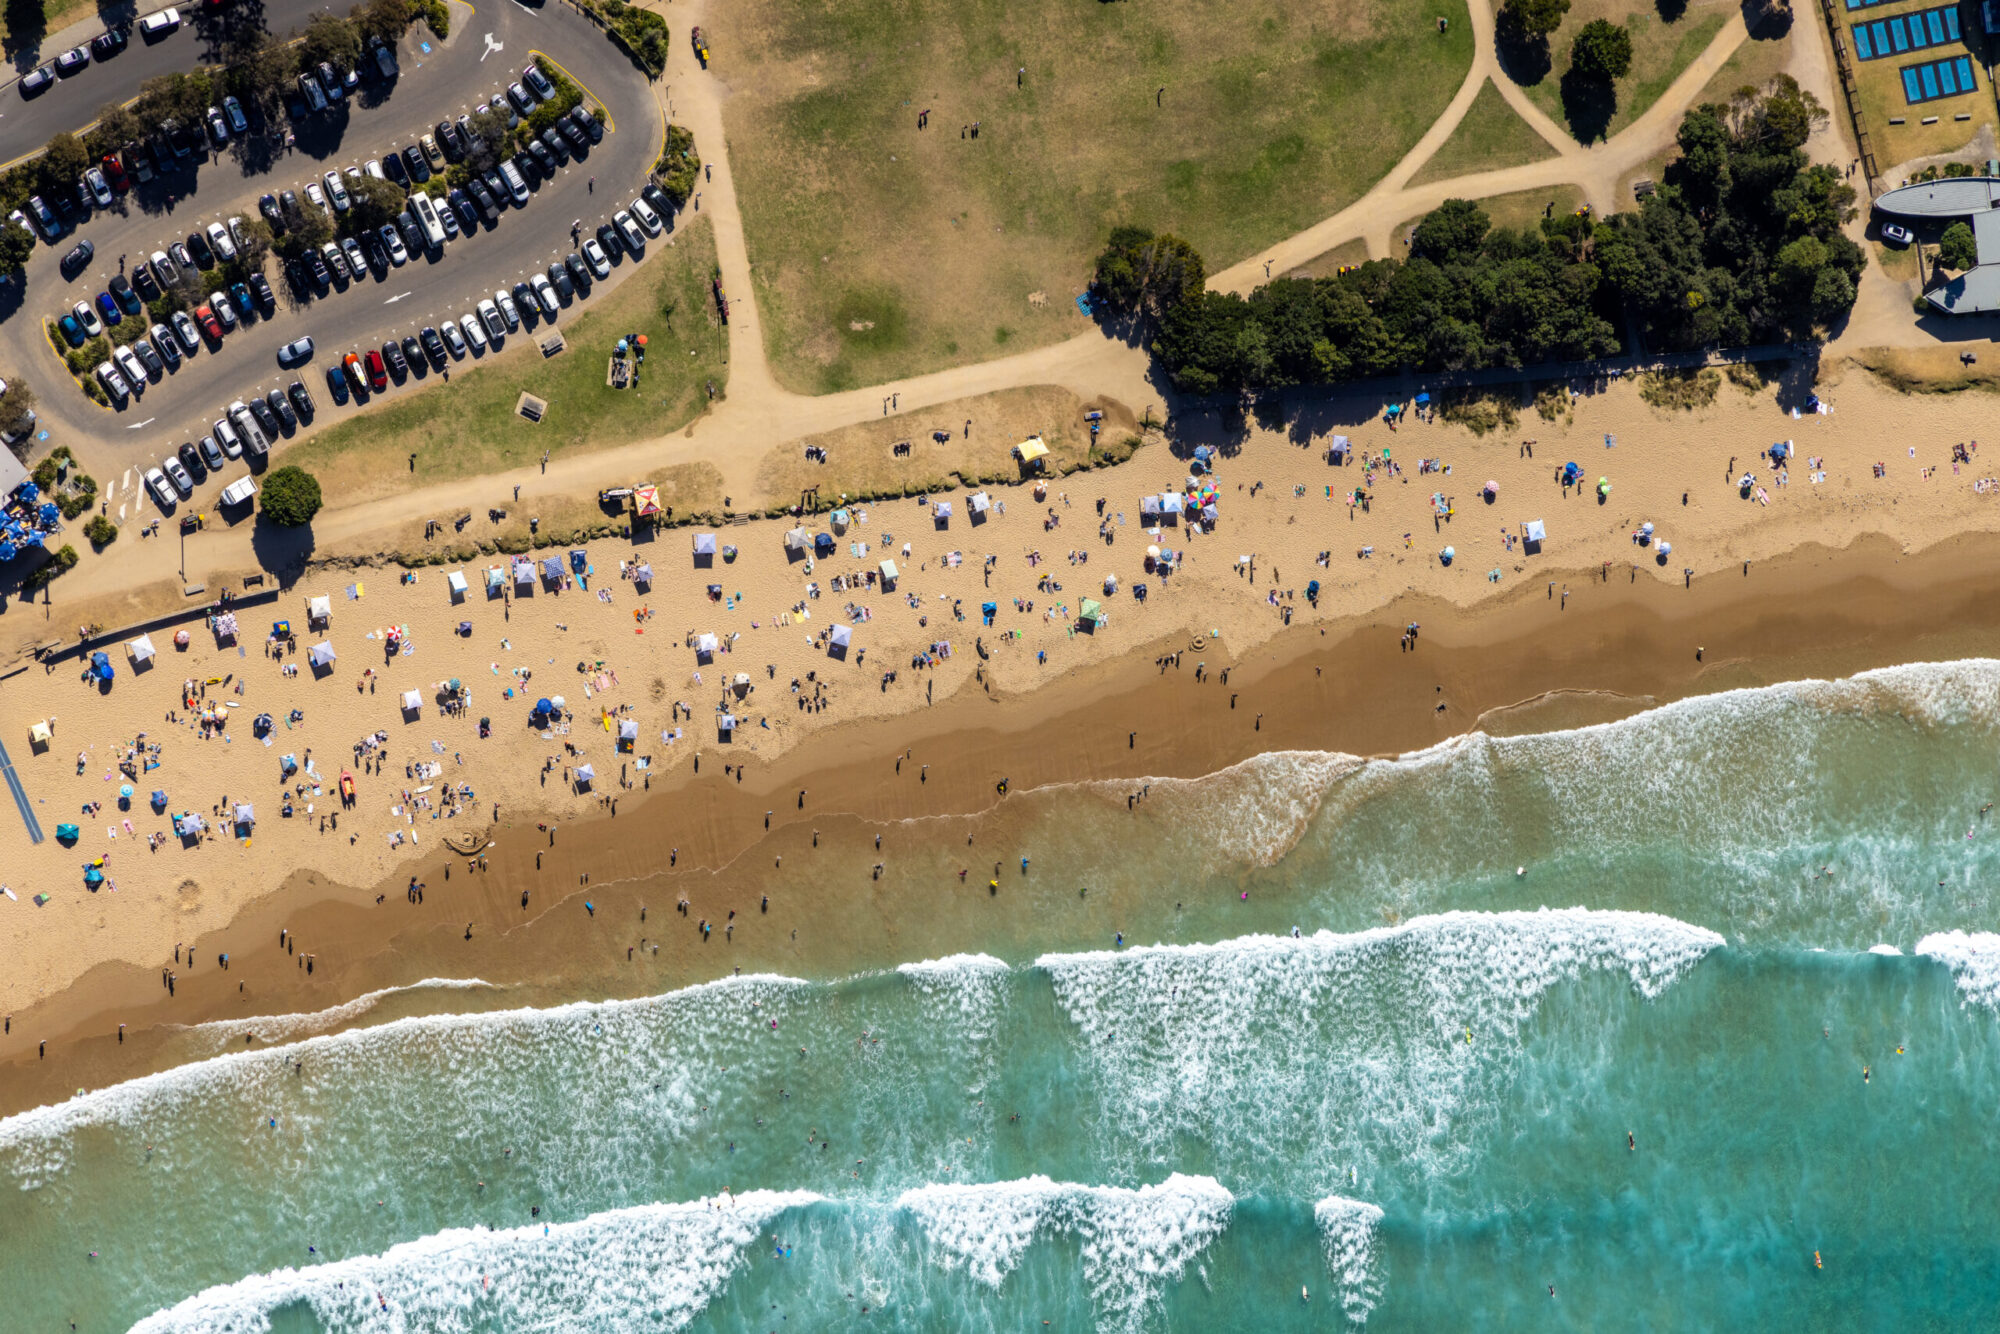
(1822, 568)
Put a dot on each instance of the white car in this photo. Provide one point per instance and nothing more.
(337, 191)
(156, 482)
(1898, 233)
(453, 340)
(166, 344)
(169, 273)
(236, 231)
(155, 26)
(219, 242)
(545, 293)
(355, 261)
(315, 194)
(179, 475)
(225, 434)
(224, 308)
(128, 362)
(374, 168)
(634, 238)
(86, 315)
(490, 313)
(474, 334)
(114, 383)
(507, 309)
(647, 218)
(593, 255)
(189, 335)
(392, 241)
(99, 189)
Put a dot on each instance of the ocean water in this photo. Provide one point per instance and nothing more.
(1690, 1021)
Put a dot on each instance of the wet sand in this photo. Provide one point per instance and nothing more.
(1523, 662)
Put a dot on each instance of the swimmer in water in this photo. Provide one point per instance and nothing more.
(1864, 1074)
(1631, 1143)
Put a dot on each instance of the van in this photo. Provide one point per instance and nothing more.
(427, 218)
(155, 26)
(255, 444)
(315, 98)
(517, 185)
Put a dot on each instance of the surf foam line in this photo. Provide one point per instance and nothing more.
(1133, 1241)
(127, 1100)
(1974, 961)
(291, 1027)
(650, 1267)
(1347, 1236)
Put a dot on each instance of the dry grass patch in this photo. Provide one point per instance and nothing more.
(1680, 391)
(1924, 370)
(1660, 51)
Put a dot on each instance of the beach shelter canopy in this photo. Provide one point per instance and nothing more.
(1535, 532)
(644, 574)
(319, 608)
(704, 544)
(942, 509)
(584, 773)
(40, 735)
(456, 581)
(1031, 449)
(1093, 610)
(524, 572)
(979, 503)
(726, 723)
(495, 576)
(646, 499)
(889, 570)
(321, 654)
(245, 813)
(159, 799)
(1149, 505)
(141, 649)
(412, 700)
(798, 539)
(842, 636)
(628, 730)
(706, 644)
(552, 567)
(225, 624)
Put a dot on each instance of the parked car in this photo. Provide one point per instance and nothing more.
(281, 408)
(432, 153)
(539, 82)
(210, 325)
(212, 455)
(385, 59)
(191, 459)
(100, 189)
(149, 357)
(309, 89)
(336, 190)
(336, 381)
(107, 306)
(162, 489)
(72, 331)
(239, 295)
(218, 128)
(109, 43)
(87, 317)
(1896, 232)
(496, 325)
(399, 365)
(525, 302)
(647, 218)
(488, 205)
(238, 122)
(613, 243)
(128, 362)
(177, 475)
(219, 242)
(73, 62)
(127, 299)
(450, 140)
(378, 376)
(51, 225)
(297, 351)
(474, 334)
(413, 351)
(114, 383)
(544, 161)
(545, 292)
(392, 240)
(265, 417)
(556, 145)
(225, 435)
(559, 280)
(336, 262)
(332, 82)
(185, 330)
(166, 344)
(433, 345)
(302, 399)
(38, 80)
(114, 174)
(517, 184)
(579, 273)
(508, 310)
(578, 142)
(518, 95)
(628, 230)
(77, 259)
(260, 291)
(224, 309)
(144, 283)
(592, 128)
(413, 162)
(157, 25)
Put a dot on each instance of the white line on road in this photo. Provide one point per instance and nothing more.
(136, 425)
(394, 299)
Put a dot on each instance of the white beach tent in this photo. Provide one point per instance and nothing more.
(705, 647)
(321, 654)
(839, 640)
(889, 575)
(412, 701)
(704, 544)
(1533, 535)
(456, 582)
(141, 649)
(797, 539)
(644, 574)
(552, 569)
(584, 775)
(524, 570)
(246, 814)
(941, 510)
(1149, 505)
(725, 722)
(628, 730)
(496, 579)
(320, 609)
(979, 503)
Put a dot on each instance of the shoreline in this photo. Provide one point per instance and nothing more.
(1517, 663)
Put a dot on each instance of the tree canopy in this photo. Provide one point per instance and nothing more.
(1602, 51)
(1535, 18)
(290, 496)
(1956, 248)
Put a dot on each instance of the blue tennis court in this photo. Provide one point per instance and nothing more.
(1865, 4)
(1906, 32)
(1937, 78)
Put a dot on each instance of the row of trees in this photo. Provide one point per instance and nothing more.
(1741, 244)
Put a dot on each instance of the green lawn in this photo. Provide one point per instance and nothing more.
(880, 250)
(469, 426)
(1660, 51)
(1491, 136)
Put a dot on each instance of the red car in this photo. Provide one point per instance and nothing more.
(114, 172)
(209, 324)
(378, 374)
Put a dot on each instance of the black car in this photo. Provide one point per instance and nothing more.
(525, 302)
(191, 460)
(413, 351)
(413, 161)
(657, 197)
(268, 206)
(108, 44)
(283, 408)
(288, 204)
(586, 122)
(330, 79)
(180, 255)
(556, 145)
(487, 204)
(73, 62)
(197, 245)
(544, 160)
(265, 417)
(77, 259)
(392, 167)
(143, 283)
(559, 277)
(433, 346)
(413, 235)
(450, 140)
(336, 384)
(121, 292)
(302, 399)
(497, 188)
(578, 142)
(182, 141)
(392, 354)
(260, 288)
(462, 204)
(317, 268)
(37, 80)
(579, 272)
(613, 243)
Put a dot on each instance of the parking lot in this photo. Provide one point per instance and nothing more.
(437, 81)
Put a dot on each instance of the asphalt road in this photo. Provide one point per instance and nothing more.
(482, 57)
(26, 123)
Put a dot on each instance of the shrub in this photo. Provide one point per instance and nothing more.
(435, 15)
(85, 496)
(1956, 248)
(1685, 389)
(290, 496)
(679, 166)
(60, 562)
(101, 531)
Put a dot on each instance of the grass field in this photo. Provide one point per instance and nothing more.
(1883, 102)
(468, 426)
(1660, 51)
(1491, 136)
(880, 250)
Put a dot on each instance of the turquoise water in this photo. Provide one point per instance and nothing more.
(1413, 1114)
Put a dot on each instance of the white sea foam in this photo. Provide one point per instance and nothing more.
(952, 967)
(963, 998)
(223, 1033)
(1132, 1242)
(1974, 960)
(648, 1268)
(1885, 949)
(1326, 1047)
(1347, 1234)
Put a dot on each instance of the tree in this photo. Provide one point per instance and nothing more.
(15, 247)
(62, 162)
(178, 97)
(17, 404)
(1141, 272)
(1602, 52)
(387, 19)
(333, 40)
(116, 127)
(1956, 248)
(374, 202)
(290, 496)
(1451, 232)
(313, 230)
(1534, 18)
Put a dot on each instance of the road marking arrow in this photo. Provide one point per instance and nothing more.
(491, 47)
(136, 425)
(394, 299)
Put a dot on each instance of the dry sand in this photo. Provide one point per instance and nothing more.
(1052, 720)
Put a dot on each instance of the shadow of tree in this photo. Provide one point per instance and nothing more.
(281, 552)
(26, 27)
(1588, 105)
(1768, 20)
(1670, 10)
(1523, 57)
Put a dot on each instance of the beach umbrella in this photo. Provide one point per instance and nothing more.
(92, 876)
(543, 706)
(8, 551)
(28, 492)
(556, 700)
(125, 791)
(455, 685)
(1666, 548)
(642, 340)
(1447, 555)
(1603, 486)
(1492, 487)
(620, 346)
(50, 511)
(159, 799)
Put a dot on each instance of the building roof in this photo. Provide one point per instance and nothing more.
(1949, 197)
(12, 474)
